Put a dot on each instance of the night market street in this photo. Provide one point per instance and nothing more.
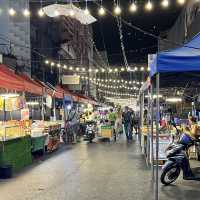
(102, 171)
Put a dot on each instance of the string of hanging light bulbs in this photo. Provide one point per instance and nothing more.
(95, 70)
(117, 93)
(133, 7)
(124, 87)
(111, 80)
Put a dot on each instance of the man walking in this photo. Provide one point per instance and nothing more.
(127, 121)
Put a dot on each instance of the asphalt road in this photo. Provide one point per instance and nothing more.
(98, 171)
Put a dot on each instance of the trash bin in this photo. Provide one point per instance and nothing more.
(5, 171)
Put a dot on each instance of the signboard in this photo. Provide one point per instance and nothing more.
(25, 114)
(70, 80)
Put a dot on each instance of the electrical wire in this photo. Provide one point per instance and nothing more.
(148, 33)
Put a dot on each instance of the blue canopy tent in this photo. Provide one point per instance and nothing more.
(173, 67)
(182, 59)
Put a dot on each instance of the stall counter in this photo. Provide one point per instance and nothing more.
(16, 152)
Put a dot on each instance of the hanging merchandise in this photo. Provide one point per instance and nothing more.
(25, 114)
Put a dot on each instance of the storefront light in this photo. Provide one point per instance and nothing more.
(32, 103)
(173, 100)
(9, 95)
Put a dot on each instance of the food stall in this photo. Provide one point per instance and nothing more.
(15, 126)
(178, 68)
(15, 139)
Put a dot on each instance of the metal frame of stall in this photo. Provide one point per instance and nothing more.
(147, 88)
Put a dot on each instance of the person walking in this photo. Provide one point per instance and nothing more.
(127, 122)
(112, 117)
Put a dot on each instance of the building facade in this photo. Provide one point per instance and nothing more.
(15, 34)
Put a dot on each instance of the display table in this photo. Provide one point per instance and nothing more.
(16, 152)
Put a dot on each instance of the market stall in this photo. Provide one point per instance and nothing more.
(15, 128)
(175, 68)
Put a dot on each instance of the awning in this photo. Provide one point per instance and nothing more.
(9, 80)
(31, 86)
(182, 59)
(22, 83)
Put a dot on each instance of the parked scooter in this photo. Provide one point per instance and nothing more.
(178, 159)
(90, 131)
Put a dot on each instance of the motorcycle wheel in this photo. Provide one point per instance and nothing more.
(170, 174)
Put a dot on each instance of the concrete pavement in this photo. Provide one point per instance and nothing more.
(98, 171)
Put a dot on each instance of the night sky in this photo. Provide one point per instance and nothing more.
(137, 44)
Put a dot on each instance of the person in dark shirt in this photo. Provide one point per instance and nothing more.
(127, 122)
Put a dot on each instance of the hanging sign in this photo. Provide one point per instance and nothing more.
(71, 80)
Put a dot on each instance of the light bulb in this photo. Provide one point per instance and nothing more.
(102, 11)
(26, 12)
(86, 11)
(117, 10)
(181, 2)
(58, 65)
(149, 6)
(41, 12)
(133, 7)
(165, 3)
(11, 12)
(71, 13)
(46, 62)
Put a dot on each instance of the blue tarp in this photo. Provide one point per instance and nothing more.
(182, 59)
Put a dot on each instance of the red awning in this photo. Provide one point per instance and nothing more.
(31, 86)
(9, 80)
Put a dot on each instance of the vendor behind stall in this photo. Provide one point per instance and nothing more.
(192, 129)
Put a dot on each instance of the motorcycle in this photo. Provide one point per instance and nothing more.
(90, 131)
(178, 160)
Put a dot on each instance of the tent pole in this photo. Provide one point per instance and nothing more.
(152, 150)
(157, 134)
